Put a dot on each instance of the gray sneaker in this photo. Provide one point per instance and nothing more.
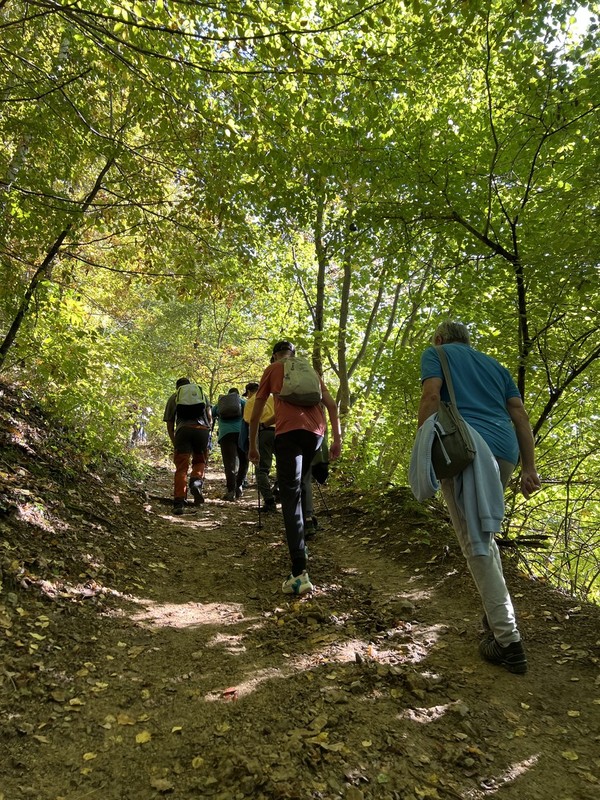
(196, 491)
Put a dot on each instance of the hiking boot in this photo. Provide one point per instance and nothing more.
(268, 507)
(310, 527)
(196, 491)
(239, 492)
(230, 496)
(297, 584)
(511, 656)
(178, 506)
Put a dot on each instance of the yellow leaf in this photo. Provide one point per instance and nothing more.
(570, 755)
(197, 762)
(89, 756)
(367, 743)
(125, 719)
(336, 746)
(161, 784)
(573, 713)
(143, 737)
(76, 701)
(176, 729)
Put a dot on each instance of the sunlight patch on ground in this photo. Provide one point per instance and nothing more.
(230, 642)
(426, 715)
(188, 521)
(245, 688)
(186, 615)
(491, 786)
(35, 514)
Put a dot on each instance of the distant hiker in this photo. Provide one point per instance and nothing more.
(490, 403)
(248, 394)
(139, 420)
(266, 445)
(188, 418)
(228, 411)
(299, 429)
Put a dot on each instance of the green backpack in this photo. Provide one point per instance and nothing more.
(190, 403)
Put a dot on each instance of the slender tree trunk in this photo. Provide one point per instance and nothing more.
(319, 313)
(343, 396)
(44, 269)
(524, 337)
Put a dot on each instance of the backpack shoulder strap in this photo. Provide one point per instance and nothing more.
(446, 370)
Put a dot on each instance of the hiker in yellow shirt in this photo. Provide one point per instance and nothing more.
(266, 444)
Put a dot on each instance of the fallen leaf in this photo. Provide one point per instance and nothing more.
(197, 762)
(89, 756)
(143, 736)
(570, 755)
(161, 785)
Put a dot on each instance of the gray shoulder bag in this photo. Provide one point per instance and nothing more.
(452, 448)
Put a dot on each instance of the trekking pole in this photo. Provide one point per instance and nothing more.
(257, 498)
(323, 500)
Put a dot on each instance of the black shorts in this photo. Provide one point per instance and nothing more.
(191, 439)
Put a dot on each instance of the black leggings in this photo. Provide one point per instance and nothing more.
(294, 452)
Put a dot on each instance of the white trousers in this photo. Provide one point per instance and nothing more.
(486, 570)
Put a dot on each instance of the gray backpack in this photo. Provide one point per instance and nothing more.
(229, 406)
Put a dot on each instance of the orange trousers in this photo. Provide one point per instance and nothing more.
(190, 440)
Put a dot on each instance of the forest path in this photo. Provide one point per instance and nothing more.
(196, 677)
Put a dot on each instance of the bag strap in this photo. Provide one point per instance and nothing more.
(446, 370)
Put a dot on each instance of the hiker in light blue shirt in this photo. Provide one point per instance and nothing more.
(489, 401)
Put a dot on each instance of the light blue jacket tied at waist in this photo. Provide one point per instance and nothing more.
(478, 489)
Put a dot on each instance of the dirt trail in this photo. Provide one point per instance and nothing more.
(184, 672)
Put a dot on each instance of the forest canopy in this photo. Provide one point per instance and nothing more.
(182, 183)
